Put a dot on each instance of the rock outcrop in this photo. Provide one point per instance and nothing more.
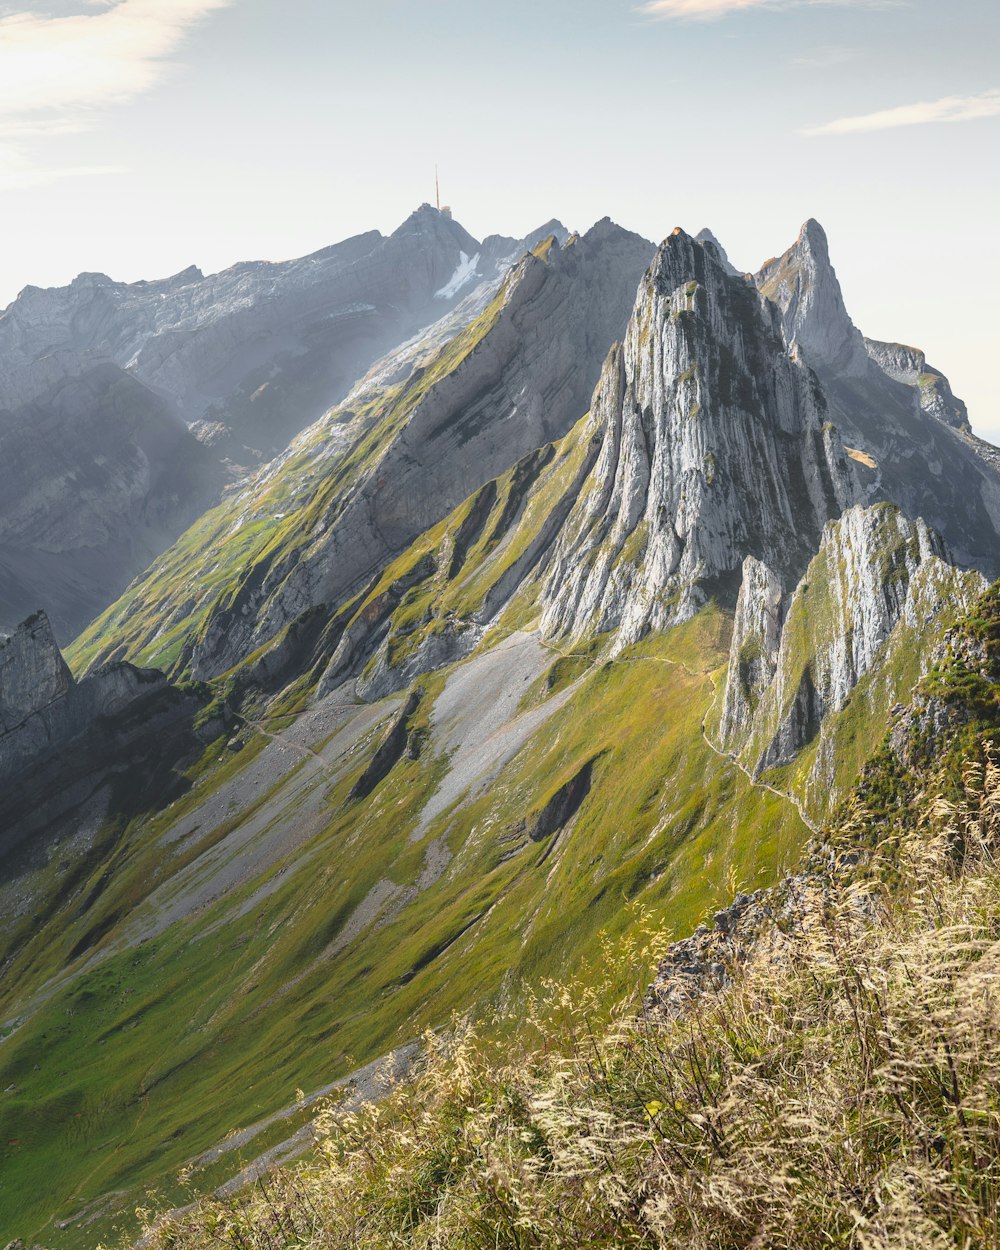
(714, 445)
(912, 448)
(59, 737)
(753, 657)
(909, 365)
(875, 570)
(33, 673)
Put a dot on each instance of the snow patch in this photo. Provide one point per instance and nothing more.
(462, 276)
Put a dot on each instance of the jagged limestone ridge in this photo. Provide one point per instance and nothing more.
(714, 445)
(908, 449)
(909, 365)
(875, 570)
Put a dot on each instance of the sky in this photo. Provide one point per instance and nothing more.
(138, 137)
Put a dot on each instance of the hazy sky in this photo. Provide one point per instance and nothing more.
(140, 136)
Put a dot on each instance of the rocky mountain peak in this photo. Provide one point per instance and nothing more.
(706, 236)
(804, 285)
(431, 222)
(714, 445)
(814, 237)
(606, 229)
(33, 673)
(891, 408)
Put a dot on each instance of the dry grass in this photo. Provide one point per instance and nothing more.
(843, 1091)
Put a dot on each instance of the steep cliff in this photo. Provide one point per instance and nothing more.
(97, 477)
(33, 673)
(61, 741)
(858, 630)
(911, 447)
(715, 445)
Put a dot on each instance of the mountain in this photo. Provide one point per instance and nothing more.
(359, 486)
(909, 437)
(585, 602)
(714, 445)
(125, 409)
(260, 350)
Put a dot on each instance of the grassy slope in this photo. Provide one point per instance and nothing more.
(155, 1054)
(161, 1050)
(842, 1091)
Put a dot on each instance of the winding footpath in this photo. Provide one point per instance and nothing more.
(723, 754)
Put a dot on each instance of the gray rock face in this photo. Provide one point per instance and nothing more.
(61, 741)
(912, 449)
(753, 657)
(804, 285)
(909, 365)
(875, 570)
(522, 384)
(33, 673)
(96, 478)
(714, 445)
(42, 708)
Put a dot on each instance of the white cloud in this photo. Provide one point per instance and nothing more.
(955, 108)
(709, 10)
(56, 72)
(90, 59)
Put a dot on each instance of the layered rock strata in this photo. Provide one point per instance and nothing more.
(875, 570)
(715, 445)
(911, 442)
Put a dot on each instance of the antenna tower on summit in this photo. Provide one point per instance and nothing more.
(443, 209)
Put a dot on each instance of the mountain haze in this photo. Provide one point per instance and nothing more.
(135, 405)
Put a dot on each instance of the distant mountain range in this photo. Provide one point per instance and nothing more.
(126, 409)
